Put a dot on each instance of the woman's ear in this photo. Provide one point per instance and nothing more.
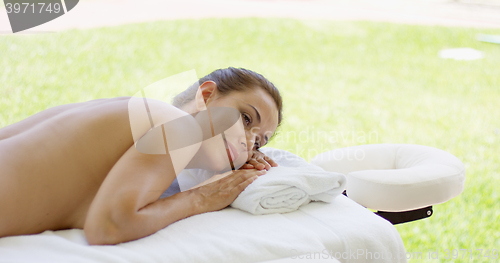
(205, 93)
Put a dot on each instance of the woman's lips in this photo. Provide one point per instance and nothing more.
(232, 152)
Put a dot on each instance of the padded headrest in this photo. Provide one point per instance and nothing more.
(396, 177)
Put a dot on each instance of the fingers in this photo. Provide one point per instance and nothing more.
(233, 178)
(224, 191)
(243, 175)
(259, 164)
(270, 161)
(246, 183)
(260, 161)
(247, 166)
(242, 182)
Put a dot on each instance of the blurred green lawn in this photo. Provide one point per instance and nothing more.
(357, 82)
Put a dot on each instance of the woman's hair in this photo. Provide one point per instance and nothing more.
(229, 80)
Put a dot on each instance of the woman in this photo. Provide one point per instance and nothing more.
(76, 165)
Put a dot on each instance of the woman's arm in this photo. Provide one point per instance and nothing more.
(126, 206)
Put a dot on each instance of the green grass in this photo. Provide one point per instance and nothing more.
(359, 82)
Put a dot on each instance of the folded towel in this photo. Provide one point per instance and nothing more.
(284, 189)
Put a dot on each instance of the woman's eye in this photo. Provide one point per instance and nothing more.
(246, 118)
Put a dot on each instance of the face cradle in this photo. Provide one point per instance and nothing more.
(257, 123)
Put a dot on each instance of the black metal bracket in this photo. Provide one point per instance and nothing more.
(406, 216)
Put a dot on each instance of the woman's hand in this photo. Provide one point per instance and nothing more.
(259, 161)
(221, 190)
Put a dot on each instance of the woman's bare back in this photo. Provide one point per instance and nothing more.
(52, 165)
(75, 166)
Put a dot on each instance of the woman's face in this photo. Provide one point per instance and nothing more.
(258, 119)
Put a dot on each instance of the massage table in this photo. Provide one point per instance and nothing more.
(385, 177)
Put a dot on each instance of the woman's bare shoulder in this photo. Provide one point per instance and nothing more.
(148, 114)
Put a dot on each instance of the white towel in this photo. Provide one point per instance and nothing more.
(284, 189)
